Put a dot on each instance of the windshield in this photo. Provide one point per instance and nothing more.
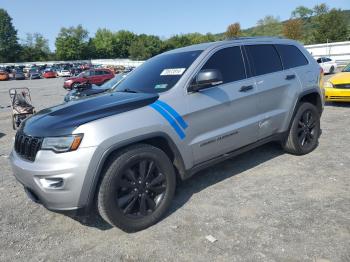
(84, 74)
(347, 68)
(158, 74)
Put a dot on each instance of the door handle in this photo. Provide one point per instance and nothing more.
(290, 77)
(246, 88)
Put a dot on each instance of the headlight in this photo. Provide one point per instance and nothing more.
(328, 84)
(62, 144)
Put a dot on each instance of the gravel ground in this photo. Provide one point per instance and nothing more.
(261, 206)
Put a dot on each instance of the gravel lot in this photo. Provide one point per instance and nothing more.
(261, 206)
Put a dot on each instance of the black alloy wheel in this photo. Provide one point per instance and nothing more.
(137, 187)
(306, 128)
(140, 189)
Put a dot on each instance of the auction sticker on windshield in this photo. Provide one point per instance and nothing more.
(172, 71)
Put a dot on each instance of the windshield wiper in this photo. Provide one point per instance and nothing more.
(127, 90)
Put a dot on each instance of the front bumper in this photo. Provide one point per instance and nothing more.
(70, 168)
(337, 95)
(67, 84)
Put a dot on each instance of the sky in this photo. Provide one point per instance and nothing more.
(159, 17)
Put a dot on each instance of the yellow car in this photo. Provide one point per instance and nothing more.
(337, 88)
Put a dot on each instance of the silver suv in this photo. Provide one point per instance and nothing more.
(176, 114)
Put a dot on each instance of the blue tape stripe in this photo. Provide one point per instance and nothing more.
(171, 120)
(173, 112)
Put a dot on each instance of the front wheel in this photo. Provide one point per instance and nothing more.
(304, 132)
(75, 85)
(137, 188)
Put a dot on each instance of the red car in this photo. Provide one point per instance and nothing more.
(93, 76)
(49, 74)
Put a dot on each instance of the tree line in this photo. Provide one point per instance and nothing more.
(317, 25)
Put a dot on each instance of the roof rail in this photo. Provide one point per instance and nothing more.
(254, 37)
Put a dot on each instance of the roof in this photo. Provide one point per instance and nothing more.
(204, 46)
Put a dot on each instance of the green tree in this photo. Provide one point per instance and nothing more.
(104, 43)
(330, 26)
(321, 9)
(293, 29)
(145, 47)
(178, 41)
(9, 47)
(233, 30)
(35, 48)
(72, 43)
(268, 26)
(302, 12)
(123, 40)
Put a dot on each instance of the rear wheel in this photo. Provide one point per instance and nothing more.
(137, 188)
(305, 130)
(331, 70)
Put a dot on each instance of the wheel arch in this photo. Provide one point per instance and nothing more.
(158, 139)
(313, 97)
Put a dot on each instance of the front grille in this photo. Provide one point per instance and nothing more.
(342, 86)
(26, 146)
(343, 98)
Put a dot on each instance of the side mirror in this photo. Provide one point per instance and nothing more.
(206, 78)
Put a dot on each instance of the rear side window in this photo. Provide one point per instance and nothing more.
(98, 73)
(229, 62)
(264, 59)
(291, 56)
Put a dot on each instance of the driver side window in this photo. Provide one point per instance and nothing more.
(229, 62)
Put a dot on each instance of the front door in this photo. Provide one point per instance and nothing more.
(222, 118)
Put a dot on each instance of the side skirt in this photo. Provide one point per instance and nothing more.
(216, 160)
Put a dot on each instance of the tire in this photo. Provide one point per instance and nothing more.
(331, 70)
(304, 131)
(14, 125)
(74, 85)
(121, 205)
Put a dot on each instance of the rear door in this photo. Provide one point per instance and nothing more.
(222, 118)
(276, 88)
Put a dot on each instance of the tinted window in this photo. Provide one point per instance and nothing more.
(159, 73)
(291, 56)
(229, 62)
(264, 59)
(99, 73)
(319, 60)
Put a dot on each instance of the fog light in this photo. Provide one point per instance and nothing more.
(49, 183)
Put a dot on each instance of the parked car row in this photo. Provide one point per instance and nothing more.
(96, 74)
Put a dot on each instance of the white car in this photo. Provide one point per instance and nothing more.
(64, 73)
(328, 65)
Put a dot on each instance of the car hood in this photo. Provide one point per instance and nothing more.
(340, 78)
(72, 78)
(63, 119)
